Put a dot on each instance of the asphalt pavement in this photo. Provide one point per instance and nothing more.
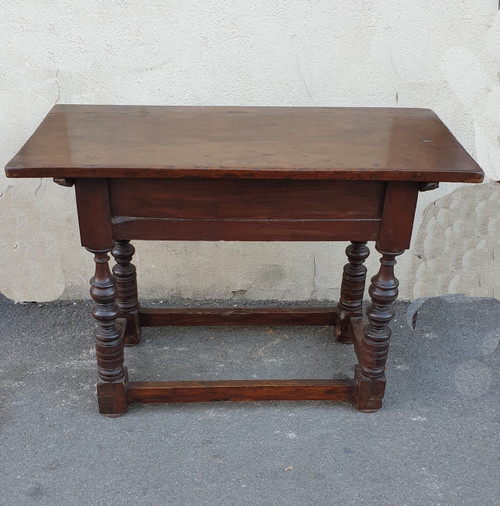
(435, 442)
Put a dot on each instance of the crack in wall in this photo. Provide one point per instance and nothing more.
(302, 77)
(58, 89)
(313, 289)
(39, 186)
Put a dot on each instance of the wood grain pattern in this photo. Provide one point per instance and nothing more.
(244, 174)
(241, 390)
(352, 289)
(391, 144)
(375, 343)
(108, 335)
(154, 317)
(126, 284)
(94, 214)
(227, 199)
(168, 229)
(397, 217)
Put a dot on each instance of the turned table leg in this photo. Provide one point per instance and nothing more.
(111, 386)
(352, 289)
(374, 348)
(126, 283)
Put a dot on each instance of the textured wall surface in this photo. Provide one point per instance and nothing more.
(457, 248)
(443, 55)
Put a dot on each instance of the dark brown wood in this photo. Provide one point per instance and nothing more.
(228, 199)
(245, 210)
(157, 317)
(375, 344)
(126, 283)
(94, 215)
(352, 289)
(246, 174)
(244, 230)
(397, 217)
(242, 390)
(382, 144)
(111, 386)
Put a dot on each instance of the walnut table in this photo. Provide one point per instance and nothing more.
(244, 174)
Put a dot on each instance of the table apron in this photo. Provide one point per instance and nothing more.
(245, 209)
(245, 198)
(198, 209)
(176, 229)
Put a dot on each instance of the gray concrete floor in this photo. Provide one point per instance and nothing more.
(435, 442)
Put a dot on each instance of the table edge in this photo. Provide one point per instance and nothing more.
(354, 174)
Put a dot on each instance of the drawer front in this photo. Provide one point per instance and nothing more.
(246, 199)
(245, 210)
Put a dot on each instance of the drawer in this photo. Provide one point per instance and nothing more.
(191, 198)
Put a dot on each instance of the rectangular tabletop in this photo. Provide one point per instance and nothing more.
(390, 144)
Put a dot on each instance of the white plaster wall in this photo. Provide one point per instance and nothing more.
(443, 55)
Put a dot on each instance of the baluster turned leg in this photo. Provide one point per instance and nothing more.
(126, 282)
(352, 289)
(370, 373)
(111, 386)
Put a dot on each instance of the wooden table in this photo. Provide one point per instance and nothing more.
(244, 174)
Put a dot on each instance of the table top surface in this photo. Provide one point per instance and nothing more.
(392, 144)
